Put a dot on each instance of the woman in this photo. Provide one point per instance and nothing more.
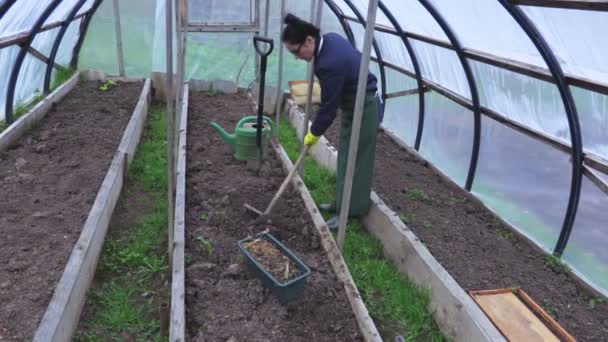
(336, 65)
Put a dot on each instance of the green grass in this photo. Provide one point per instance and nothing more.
(397, 305)
(554, 263)
(133, 266)
(419, 195)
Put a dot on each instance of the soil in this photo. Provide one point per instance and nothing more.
(472, 245)
(225, 301)
(48, 182)
(273, 260)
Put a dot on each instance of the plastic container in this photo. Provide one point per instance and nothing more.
(287, 291)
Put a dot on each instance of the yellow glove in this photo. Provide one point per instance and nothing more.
(310, 139)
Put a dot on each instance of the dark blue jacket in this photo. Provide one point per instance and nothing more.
(337, 68)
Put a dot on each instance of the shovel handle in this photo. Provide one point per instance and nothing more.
(287, 180)
(258, 39)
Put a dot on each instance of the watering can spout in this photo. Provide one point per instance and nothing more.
(228, 138)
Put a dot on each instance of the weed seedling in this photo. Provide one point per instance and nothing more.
(407, 218)
(595, 301)
(204, 216)
(457, 200)
(419, 195)
(188, 260)
(504, 233)
(427, 225)
(107, 85)
(548, 307)
(206, 243)
(554, 263)
(153, 266)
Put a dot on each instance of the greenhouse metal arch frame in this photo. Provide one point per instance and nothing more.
(582, 162)
(555, 76)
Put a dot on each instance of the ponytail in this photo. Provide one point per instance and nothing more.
(296, 30)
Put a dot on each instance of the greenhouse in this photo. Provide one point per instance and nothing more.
(193, 170)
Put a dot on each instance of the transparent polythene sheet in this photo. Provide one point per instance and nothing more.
(447, 138)
(586, 251)
(221, 11)
(525, 181)
(401, 113)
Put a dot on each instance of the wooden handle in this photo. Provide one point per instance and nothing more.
(287, 180)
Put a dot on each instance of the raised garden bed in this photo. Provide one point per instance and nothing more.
(473, 245)
(49, 179)
(223, 300)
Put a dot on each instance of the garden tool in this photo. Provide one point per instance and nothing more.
(292, 172)
(263, 60)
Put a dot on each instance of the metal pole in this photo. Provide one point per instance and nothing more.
(170, 123)
(354, 137)
(279, 99)
(316, 20)
(119, 54)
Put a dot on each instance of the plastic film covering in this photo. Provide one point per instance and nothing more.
(593, 115)
(486, 26)
(576, 37)
(19, 20)
(221, 11)
(143, 38)
(586, 251)
(401, 113)
(447, 137)
(524, 180)
(533, 103)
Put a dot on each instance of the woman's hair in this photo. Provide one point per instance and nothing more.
(296, 30)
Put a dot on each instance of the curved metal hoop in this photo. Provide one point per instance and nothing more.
(414, 59)
(10, 93)
(57, 43)
(472, 86)
(573, 122)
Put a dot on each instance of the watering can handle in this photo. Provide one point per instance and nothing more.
(270, 123)
(269, 41)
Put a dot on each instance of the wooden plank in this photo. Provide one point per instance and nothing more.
(514, 319)
(366, 324)
(588, 5)
(177, 328)
(41, 57)
(595, 178)
(12, 133)
(561, 332)
(62, 315)
(453, 310)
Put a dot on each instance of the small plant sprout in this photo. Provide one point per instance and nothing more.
(419, 195)
(555, 264)
(549, 308)
(204, 216)
(407, 218)
(107, 85)
(596, 301)
(453, 200)
(206, 243)
(504, 233)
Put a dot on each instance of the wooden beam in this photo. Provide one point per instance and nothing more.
(21, 37)
(43, 58)
(587, 5)
(406, 92)
(595, 178)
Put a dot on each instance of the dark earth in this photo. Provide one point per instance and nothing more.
(48, 182)
(225, 301)
(473, 245)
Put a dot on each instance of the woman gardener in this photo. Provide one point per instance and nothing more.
(336, 65)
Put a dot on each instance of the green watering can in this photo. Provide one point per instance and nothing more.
(242, 143)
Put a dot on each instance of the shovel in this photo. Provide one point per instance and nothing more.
(292, 172)
(264, 55)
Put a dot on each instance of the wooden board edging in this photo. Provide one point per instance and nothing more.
(12, 133)
(177, 325)
(63, 312)
(454, 311)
